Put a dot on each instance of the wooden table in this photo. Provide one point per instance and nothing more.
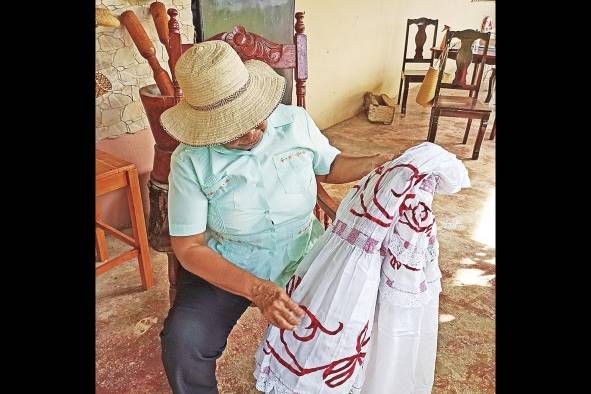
(477, 54)
(114, 174)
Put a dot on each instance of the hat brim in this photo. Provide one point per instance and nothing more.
(231, 120)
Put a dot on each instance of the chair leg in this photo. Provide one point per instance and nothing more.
(399, 90)
(491, 82)
(173, 269)
(101, 242)
(493, 132)
(480, 137)
(138, 224)
(404, 97)
(430, 124)
(467, 131)
(433, 125)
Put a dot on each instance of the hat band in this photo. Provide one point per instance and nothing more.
(223, 101)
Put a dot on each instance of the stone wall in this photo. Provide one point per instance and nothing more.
(120, 111)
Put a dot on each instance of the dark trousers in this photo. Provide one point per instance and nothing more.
(195, 333)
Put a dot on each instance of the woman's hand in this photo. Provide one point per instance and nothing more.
(276, 306)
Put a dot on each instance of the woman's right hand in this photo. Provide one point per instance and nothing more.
(276, 306)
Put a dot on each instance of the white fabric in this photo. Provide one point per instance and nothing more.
(401, 358)
(383, 241)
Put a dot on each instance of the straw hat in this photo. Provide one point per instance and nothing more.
(104, 18)
(223, 98)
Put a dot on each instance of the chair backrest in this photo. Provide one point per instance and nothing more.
(420, 40)
(252, 46)
(464, 57)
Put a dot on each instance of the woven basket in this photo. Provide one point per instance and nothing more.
(103, 85)
(379, 108)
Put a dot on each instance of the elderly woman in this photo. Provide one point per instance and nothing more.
(241, 196)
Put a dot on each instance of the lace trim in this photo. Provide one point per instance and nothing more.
(412, 255)
(266, 381)
(430, 184)
(403, 298)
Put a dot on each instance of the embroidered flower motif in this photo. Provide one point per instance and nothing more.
(336, 372)
(368, 198)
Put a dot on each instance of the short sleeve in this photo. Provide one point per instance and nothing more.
(187, 204)
(324, 152)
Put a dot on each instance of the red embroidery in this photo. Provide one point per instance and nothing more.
(367, 214)
(315, 325)
(394, 263)
(408, 267)
(353, 234)
(418, 215)
(413, 180)
(336, 372)
(293, 283)
(347, 364)
(339, 228)
(355, 237)
(370, 245)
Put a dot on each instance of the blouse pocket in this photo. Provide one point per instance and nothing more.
(294, 170)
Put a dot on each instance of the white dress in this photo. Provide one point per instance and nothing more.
(401, 358)
(338, 282)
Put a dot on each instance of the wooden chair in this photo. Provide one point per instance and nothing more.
(279, 56)
(457, 106)
(415, 76)
(113, 174)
